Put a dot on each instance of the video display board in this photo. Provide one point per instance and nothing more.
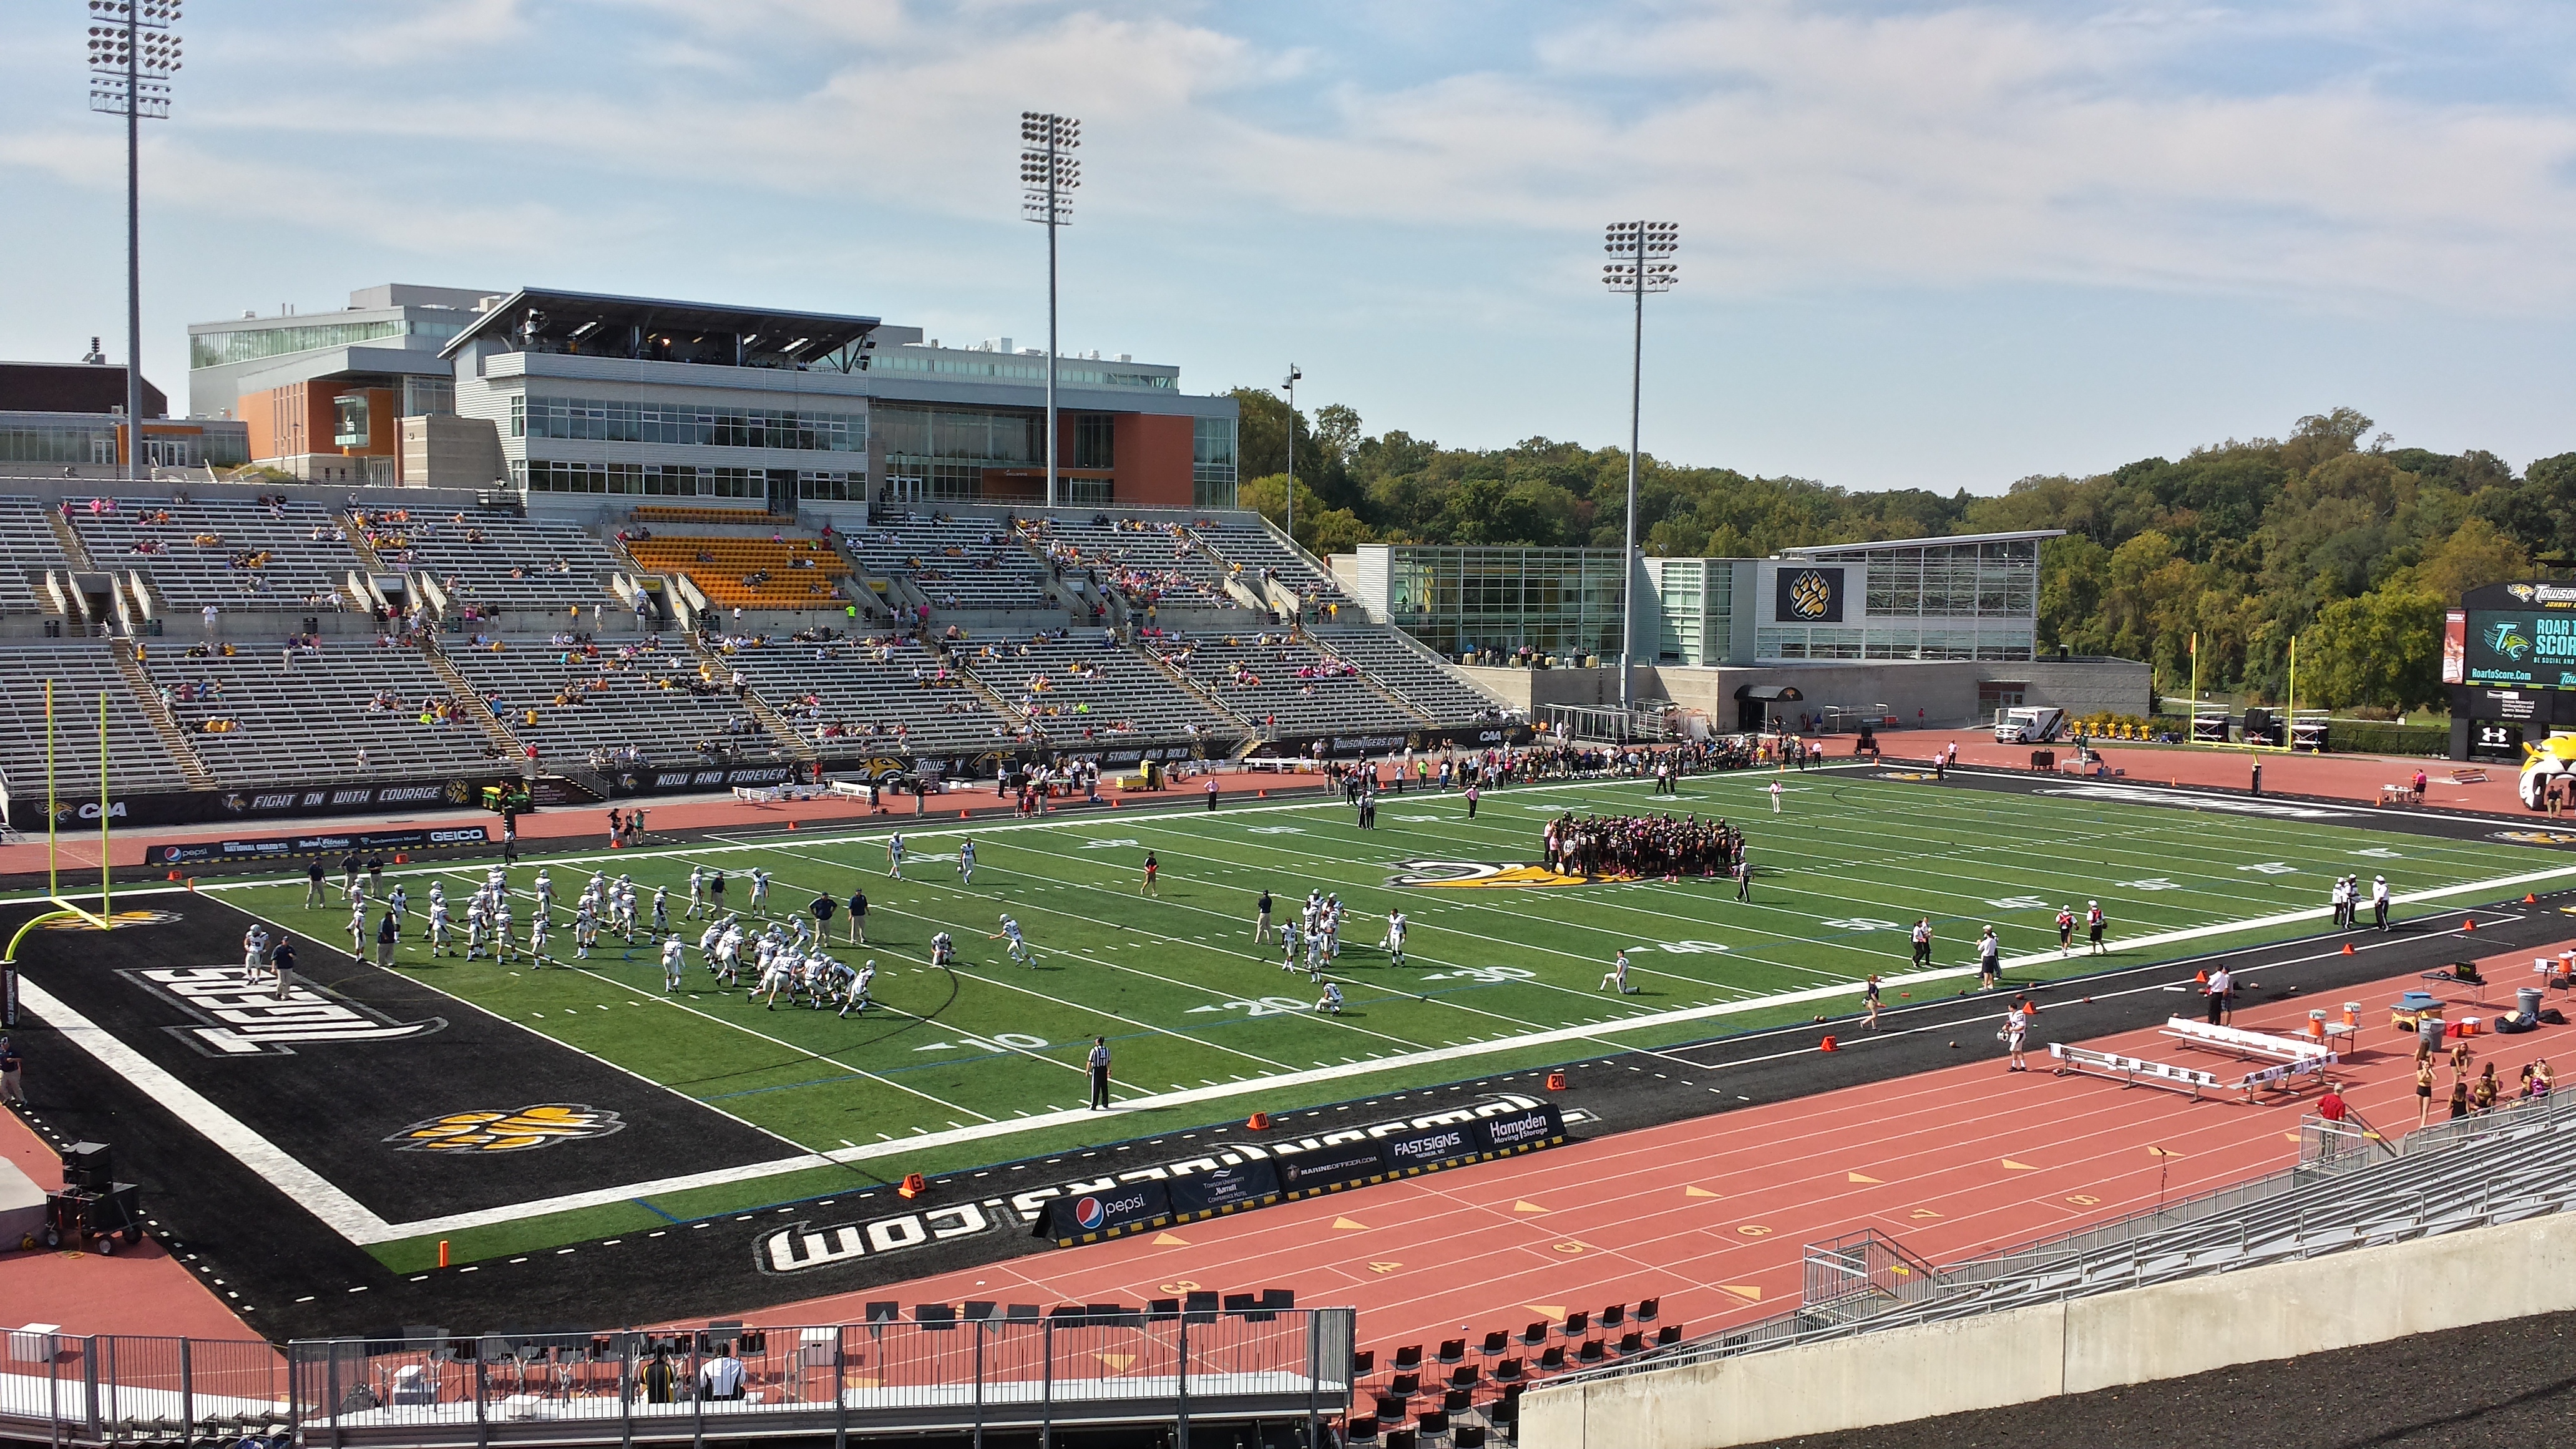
(2522, 635)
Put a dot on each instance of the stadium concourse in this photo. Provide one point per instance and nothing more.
(1708, 1217)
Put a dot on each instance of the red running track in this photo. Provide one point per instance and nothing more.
(1710, 1215)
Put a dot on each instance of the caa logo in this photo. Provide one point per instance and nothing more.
(1089, 1213)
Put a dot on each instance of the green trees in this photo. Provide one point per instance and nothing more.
(2328, 535)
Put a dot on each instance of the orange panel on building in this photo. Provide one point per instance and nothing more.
(1155, 456)
(299, 418)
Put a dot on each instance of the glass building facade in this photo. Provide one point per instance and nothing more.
(1212, 473)
(251, 343)
(1560, 601)
(1973, 597)
(1965, 598)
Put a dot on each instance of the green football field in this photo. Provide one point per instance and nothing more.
(984, 1063)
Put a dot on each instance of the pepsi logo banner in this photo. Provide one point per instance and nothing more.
(1091, 1216)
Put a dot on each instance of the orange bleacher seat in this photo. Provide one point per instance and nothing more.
(734, 559)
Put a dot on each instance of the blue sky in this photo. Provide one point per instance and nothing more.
(1924, 245)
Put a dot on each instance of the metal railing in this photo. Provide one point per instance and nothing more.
(1073, 1369)
(68, 1388)
(2365, 1195)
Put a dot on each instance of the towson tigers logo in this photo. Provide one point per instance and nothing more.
(1478, 875)
(1810, 595)
(542, 1125)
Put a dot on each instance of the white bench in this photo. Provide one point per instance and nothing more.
(2131, 1071)
(2245, 1043)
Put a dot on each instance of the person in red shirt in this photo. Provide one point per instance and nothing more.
(2331, 1106)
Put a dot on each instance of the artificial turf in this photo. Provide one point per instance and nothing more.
(982, 1063)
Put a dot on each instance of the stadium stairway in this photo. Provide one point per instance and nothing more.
(974, 686)
(73, 548)
(358, 540)
(472, 699)
(1191, 687)
(148, 699)
(781, 733)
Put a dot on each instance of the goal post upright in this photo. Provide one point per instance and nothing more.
(103, 917)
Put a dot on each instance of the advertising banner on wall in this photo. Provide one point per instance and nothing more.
(2516, 635)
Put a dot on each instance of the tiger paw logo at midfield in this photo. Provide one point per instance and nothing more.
(1810, 595)
(542, 1125)
(1477, 874)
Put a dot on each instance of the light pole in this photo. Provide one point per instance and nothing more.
(132, 55)
(1640, 253)
(1294, 376)
(1048, 175)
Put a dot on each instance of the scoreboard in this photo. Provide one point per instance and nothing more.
(2515, 636)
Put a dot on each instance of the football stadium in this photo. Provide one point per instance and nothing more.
(1421, 1070)
(610, 864)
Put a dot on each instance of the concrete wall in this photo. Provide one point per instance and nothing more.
(2084, 686)
(2283, 1311)
(1527, 689)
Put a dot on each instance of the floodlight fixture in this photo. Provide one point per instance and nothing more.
(1640, 262)
(1048, 176)
(133, 54)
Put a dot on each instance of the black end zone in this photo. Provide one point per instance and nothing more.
(411, 1103)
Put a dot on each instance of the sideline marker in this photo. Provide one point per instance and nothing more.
(442, 1252)
(2470, 924)
(912, 1186)
(2347, 949)
(1258, 1122)
(1829, 1045)
(2529, 899)
(1556, 1081)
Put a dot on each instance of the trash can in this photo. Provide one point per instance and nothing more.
(2428, 1031)
(2529, 999)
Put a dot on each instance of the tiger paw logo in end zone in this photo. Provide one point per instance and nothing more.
(2535, 837)
(1480, 875)
(542, 1125)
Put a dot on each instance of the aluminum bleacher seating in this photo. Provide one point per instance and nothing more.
(235, 554)
(488, 562)
(1259, 551)
(957, 563)
(789, 571)
(28, 551)
(138, 761)
(350, 710)
(850, 696)
(1279, 682)
(650, 696)
(1149, 564)
(1412, 675)
(1084, 687)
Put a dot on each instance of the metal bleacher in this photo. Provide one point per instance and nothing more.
(957, 563)
(487, 562)
(28, 551)
(2505, 1166)
(650, 696)
(1285, 684)
(1150, 564)
(1259, 551)
(1085, 687)
(138, 761)
(1411, 673)
(350, 711)
(235, 554)
(885, 693)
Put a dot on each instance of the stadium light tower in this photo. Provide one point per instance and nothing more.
(1048, 175)
(1295, 376)
(133, 52)
(1641, 262)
